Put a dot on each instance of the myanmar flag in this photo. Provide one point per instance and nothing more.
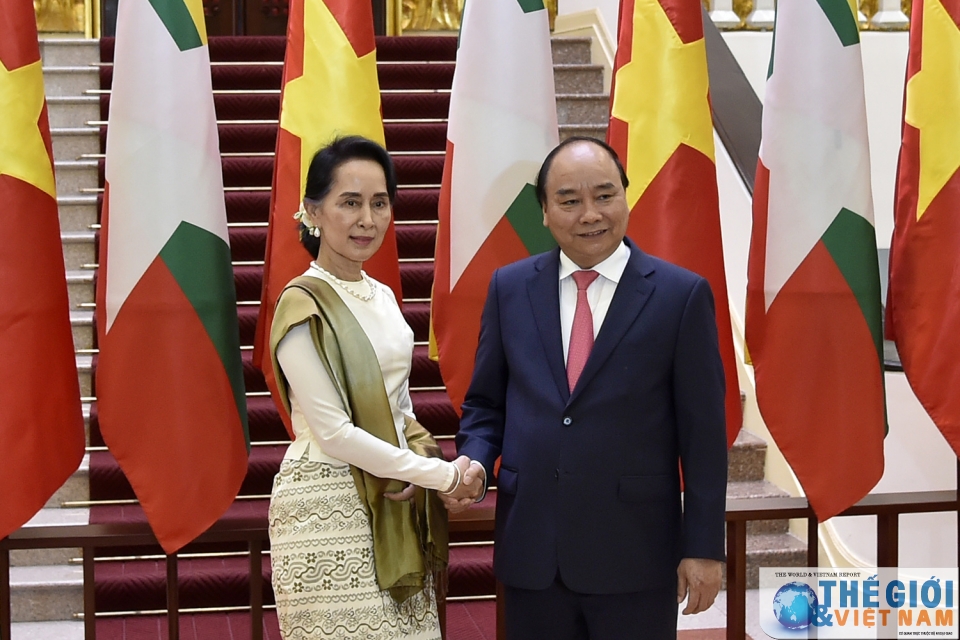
(502, 124)
(923, 302)
(661, 127)
(171, 398)
(330, 90)
(41, 426)
(813, 291)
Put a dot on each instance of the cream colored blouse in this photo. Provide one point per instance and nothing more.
(320, 423)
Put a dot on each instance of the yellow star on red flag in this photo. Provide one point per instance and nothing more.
(307, 99)
(23, 154)
(933, 97)
(663, 104)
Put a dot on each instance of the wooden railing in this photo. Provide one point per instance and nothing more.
(90, 537)
(887, 507)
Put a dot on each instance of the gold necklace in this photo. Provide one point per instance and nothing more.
(346, 285)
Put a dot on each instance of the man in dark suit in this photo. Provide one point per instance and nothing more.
(597, 376)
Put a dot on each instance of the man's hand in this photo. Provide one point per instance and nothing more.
(472, 479)
(700, 578)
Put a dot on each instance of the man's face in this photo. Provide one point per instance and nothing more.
(586, 207)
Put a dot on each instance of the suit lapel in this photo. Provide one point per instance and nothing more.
(632, 294)
(544, 291)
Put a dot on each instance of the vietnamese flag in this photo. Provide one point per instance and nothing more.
(923, 301)
(41, 425)
(330, 89)
(660, 126)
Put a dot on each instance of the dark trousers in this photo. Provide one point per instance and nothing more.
(557, 613)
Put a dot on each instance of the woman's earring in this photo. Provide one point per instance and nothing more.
(315, 231)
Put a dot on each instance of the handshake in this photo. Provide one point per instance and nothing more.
(468, 485)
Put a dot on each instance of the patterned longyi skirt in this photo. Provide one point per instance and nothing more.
(323, 566)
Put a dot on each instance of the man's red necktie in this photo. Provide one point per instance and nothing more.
(581, 334)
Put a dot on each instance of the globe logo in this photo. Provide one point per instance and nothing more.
(794, 605)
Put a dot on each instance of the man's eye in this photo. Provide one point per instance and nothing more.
(604, 196)
(569, 203)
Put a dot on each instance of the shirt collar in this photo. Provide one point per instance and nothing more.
(611, 268)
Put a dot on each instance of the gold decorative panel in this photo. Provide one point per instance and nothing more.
(64, 16)
(443, 15)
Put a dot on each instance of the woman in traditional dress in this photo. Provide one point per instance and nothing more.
(357, 543)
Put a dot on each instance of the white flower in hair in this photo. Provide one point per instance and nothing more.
(301, 214)
(301, 217)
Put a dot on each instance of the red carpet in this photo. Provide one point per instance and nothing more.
(472, 620)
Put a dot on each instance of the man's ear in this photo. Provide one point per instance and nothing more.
(545, 216)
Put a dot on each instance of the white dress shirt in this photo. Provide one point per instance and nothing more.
(599, 293)
(320, 423)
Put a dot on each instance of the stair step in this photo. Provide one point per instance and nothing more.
(69, 52)
(583, 108)
(79, 249)
(578, 78)
(72, 111)
(747, 458)
(193, 626)
(73, 176)
(70, 80)
(204, 582)
(773, 550)
(69, 143)
(266, 105)
(77, 212)
(80, 288)
(85, 373)
(75, 488)
(571, 50)
(598, 131)
(41, 593)
(757, 489)
(81, 322)
(107, 480)
(471, 571)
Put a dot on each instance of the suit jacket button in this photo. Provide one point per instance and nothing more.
(556, 474)
(567, 421)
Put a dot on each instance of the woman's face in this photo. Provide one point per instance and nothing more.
(354, 216)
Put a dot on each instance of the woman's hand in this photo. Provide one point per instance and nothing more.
(406, 494)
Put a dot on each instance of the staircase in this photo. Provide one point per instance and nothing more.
(415, 76)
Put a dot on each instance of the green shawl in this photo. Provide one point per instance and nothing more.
(409, 538)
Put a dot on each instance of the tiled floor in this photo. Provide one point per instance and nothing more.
(47, 630)
(712, 623)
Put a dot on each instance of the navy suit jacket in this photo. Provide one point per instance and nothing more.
(589, 482)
